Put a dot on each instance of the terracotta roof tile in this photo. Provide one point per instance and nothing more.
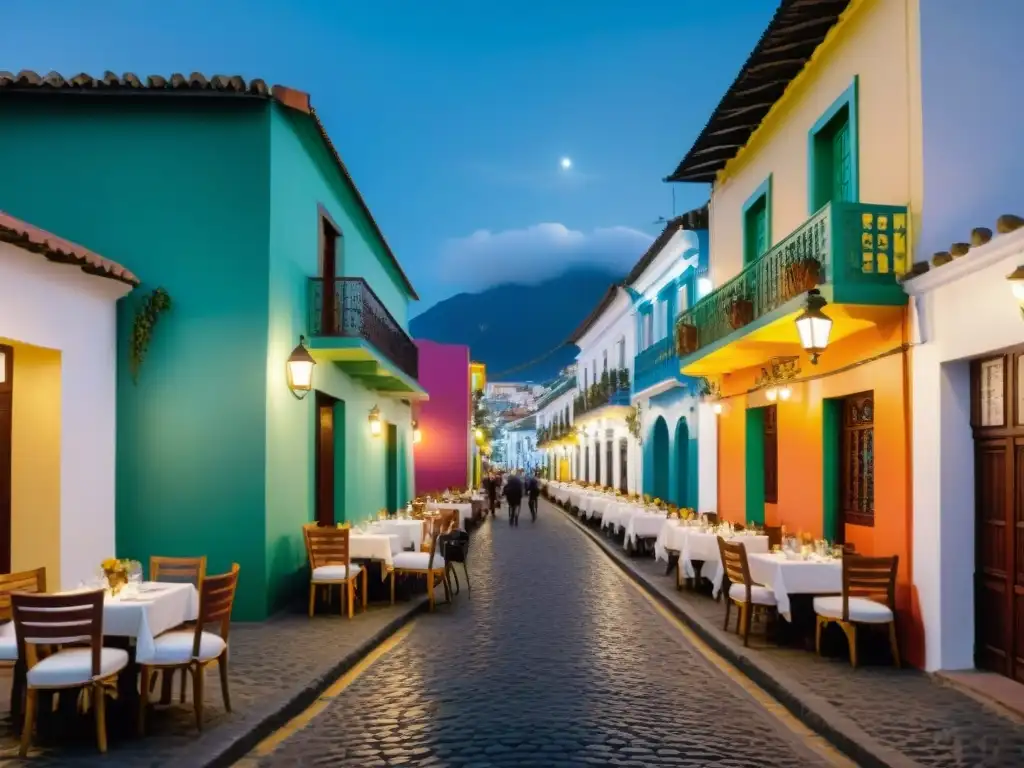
(27, 237)
(198, 84)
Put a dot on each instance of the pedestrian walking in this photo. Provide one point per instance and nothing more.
(532, 494)
(514, 497)
(491, 488)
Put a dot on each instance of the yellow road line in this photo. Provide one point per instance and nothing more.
(301, 720)
(817, 744)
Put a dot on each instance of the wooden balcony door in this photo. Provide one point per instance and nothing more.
(330, 235)
(997, 415)
(6, 452)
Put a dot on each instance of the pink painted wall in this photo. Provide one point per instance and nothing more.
(442, 457)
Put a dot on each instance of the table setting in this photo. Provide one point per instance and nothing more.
(798, 568)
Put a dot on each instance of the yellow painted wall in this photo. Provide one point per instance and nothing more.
(876, 40)
(35, 461)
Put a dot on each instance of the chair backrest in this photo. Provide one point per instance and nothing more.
(58, 620)
(449, 519)
(216, 598)
(734, 561)
(774, 534)
(738, 527)
(179, 570)
(327, 546)
(33, 581)
(870, 577)
(712, 517)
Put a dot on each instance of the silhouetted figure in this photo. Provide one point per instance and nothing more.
(532, 494)
(514, 497)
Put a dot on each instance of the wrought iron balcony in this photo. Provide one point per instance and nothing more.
(656, 364)
(853, 251)
(612, 389)
(357, 313)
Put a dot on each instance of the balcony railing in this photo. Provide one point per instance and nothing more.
(858, 248)
(612, 389)
(656, 364)
(357, 313)
(553, 432)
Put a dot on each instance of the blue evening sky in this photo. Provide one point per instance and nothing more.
(452, 115)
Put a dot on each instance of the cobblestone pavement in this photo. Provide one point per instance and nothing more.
(555, 661)
(903, 709)
(271, 662)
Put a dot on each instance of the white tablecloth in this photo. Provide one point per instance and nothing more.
(409, 531)
(704, 546)
(643, 525)
(792, 577)
(374, 546)
(465, 510)
(160, 606)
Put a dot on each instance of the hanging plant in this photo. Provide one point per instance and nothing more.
(148, 313)
(633, 422)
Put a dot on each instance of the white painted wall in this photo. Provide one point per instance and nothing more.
(959, 311)
(60, 307)
(614, 326)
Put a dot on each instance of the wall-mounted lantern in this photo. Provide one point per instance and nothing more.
(1016, 279)
(417, 434)
(479, 434)
(375, 425)
(814, 326)
(782, 393)
(299, 369)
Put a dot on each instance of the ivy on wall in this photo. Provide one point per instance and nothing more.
(150, 308)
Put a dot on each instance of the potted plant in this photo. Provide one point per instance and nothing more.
(741, 310)
(802, 276)
(686, 338)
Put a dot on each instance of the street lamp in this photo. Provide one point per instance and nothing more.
(299, 369)
(417, 435)
(814, 326)
(1016, 279)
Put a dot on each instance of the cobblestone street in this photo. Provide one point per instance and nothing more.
(557, 660)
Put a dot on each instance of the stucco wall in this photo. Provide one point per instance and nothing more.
(442, 456)
(971, 60)
(876, 46)
(64, 400)
(177, 191)
(960, 311)
(301, 178)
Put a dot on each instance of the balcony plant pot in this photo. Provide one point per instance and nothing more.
(741, 311)
(686, 339)
(802, 276)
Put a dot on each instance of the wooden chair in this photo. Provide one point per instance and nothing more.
(63, 619)
(176, 570)
(774, 534)
(449, 519)
(869, 597)
(711, 517)
(429, 564)
(330, 564)
(748, 596)
(192, 650)
(33, 581)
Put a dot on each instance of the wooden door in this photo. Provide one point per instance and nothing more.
(392, 468)
(597, 462)
(609, 455)
(6, 452)
(325, 490)
(997, 417)
(624, 465)
(842, 163)
(329, 269)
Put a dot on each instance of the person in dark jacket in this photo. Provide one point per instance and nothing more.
(533, 493)
(514, 497)
(491, 489)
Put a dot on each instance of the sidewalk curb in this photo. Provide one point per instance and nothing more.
(269, 720)
(813, 711)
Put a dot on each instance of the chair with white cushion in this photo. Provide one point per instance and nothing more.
(428, 562)
(194, 649)
(48, 620)
(750, 598)
(330, 564)
(33, 581)
(869, 597)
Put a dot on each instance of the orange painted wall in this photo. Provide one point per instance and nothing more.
(801, 453)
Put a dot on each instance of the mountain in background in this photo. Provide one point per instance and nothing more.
(512, 324)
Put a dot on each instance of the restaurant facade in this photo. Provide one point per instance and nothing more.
(273, 374)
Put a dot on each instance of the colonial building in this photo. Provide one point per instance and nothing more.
(443, 437)
(813, 157)
(678, 429)
(556, 433)
(260, 257)
(607, 453)
(58, 385)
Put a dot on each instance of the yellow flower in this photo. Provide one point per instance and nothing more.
(109, 563)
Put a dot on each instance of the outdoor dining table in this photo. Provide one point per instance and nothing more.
(375, 546)
(409, 531)
(703, 546)
(465, 510)
(785, 577)
(641, 525)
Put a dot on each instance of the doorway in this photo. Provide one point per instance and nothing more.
(391, 468)
(682, 495)
(608, 456)
(624, 465)
(659, 455)
(6, 452)
(327, 457)
(997, 421)
(597, 462)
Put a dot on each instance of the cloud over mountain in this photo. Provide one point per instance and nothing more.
(535, 253)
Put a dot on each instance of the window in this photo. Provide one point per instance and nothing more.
(757, 222)
(622, 352)
(683, 298)
(586, 383)
(833, 153)
(857, 457)
(605, 355)
(330, 268)
(648, 328)
(771, 455)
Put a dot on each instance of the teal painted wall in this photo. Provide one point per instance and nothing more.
(301, 178)
(177, 191)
